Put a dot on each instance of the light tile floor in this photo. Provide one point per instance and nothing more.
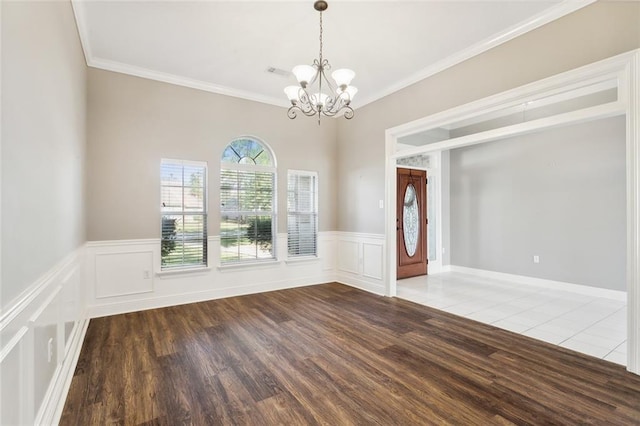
(592, 325)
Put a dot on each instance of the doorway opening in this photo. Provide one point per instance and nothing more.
(605, 89)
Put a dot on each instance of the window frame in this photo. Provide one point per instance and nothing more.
(314, 213)
(204, 214)
(251, 168)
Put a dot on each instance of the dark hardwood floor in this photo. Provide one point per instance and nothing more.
(333, 355)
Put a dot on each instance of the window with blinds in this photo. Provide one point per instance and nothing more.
(302, 213)
(183, 188)
(247, 202)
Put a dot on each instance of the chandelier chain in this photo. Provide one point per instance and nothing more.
(321, 37)
(337, 101)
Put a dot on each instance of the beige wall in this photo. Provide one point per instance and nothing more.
(43, 141)
(593, 33)
(135, 122)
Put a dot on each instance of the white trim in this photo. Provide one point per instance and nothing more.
(301, 259)
(54, 293)
(610, 109)
(551, 14)
(599, 86)
(359, 236)
(122, 307)
(119, 243)
(543, 283)
(44, 298)
(630, 93)
(183, 270)
(184, 81)
(31, 293)
(83, 31)
(360, 283)
(1, 133)
(12, 343)
(604, 70)
(251, 264)
(391, 182)
(56, 396)
(625, 69)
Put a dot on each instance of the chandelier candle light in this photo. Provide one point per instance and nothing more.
(319, 103)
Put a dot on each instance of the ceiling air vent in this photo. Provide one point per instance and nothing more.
(278, 71)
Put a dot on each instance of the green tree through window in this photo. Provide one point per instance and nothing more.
(247, 194)
(184, 213)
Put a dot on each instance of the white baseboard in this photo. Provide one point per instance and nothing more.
(122, 276)
(56, 397)
(371, 286)
(141, 304)
(543, 283)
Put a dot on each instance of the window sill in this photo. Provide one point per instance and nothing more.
(301, 259)
(183, 271)
(248, 265)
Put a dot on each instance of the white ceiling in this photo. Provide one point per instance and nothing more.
(227, 46)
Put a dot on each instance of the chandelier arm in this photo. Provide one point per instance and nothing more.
(321, 104)
(291, 112)
(304, 103)
(332, 88)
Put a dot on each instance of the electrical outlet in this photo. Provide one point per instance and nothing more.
(146, 274)
(50, 349)
(381, 204)
(536, 259)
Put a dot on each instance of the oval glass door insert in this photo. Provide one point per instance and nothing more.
(410, 220)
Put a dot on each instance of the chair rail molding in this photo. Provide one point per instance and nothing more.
(41, 334)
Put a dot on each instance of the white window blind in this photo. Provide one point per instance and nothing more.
(247, 202)
(302, 213)
(184, 213)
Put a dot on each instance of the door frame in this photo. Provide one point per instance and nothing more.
(434, 170)
(625, 70)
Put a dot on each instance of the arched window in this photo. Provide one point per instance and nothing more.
(247, 201)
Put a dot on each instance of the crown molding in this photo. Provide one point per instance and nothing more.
(184, 81)
(123, 68)
(555, 12)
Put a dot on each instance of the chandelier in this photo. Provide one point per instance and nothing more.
(312, 79)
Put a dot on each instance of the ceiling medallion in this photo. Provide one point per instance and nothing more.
(312, 79)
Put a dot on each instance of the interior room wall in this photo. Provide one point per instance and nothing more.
(559, 194)
(43, 208)
(43, 141)
(134, 122)
(593, 33)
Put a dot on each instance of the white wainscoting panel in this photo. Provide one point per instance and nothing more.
(372, 257)
(13, 368)
(114, 296)
(126, 272)
(41, 334)
(348, 257)
(43, 324)
(361, 261)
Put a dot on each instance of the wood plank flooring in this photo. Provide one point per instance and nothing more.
(333, 355)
